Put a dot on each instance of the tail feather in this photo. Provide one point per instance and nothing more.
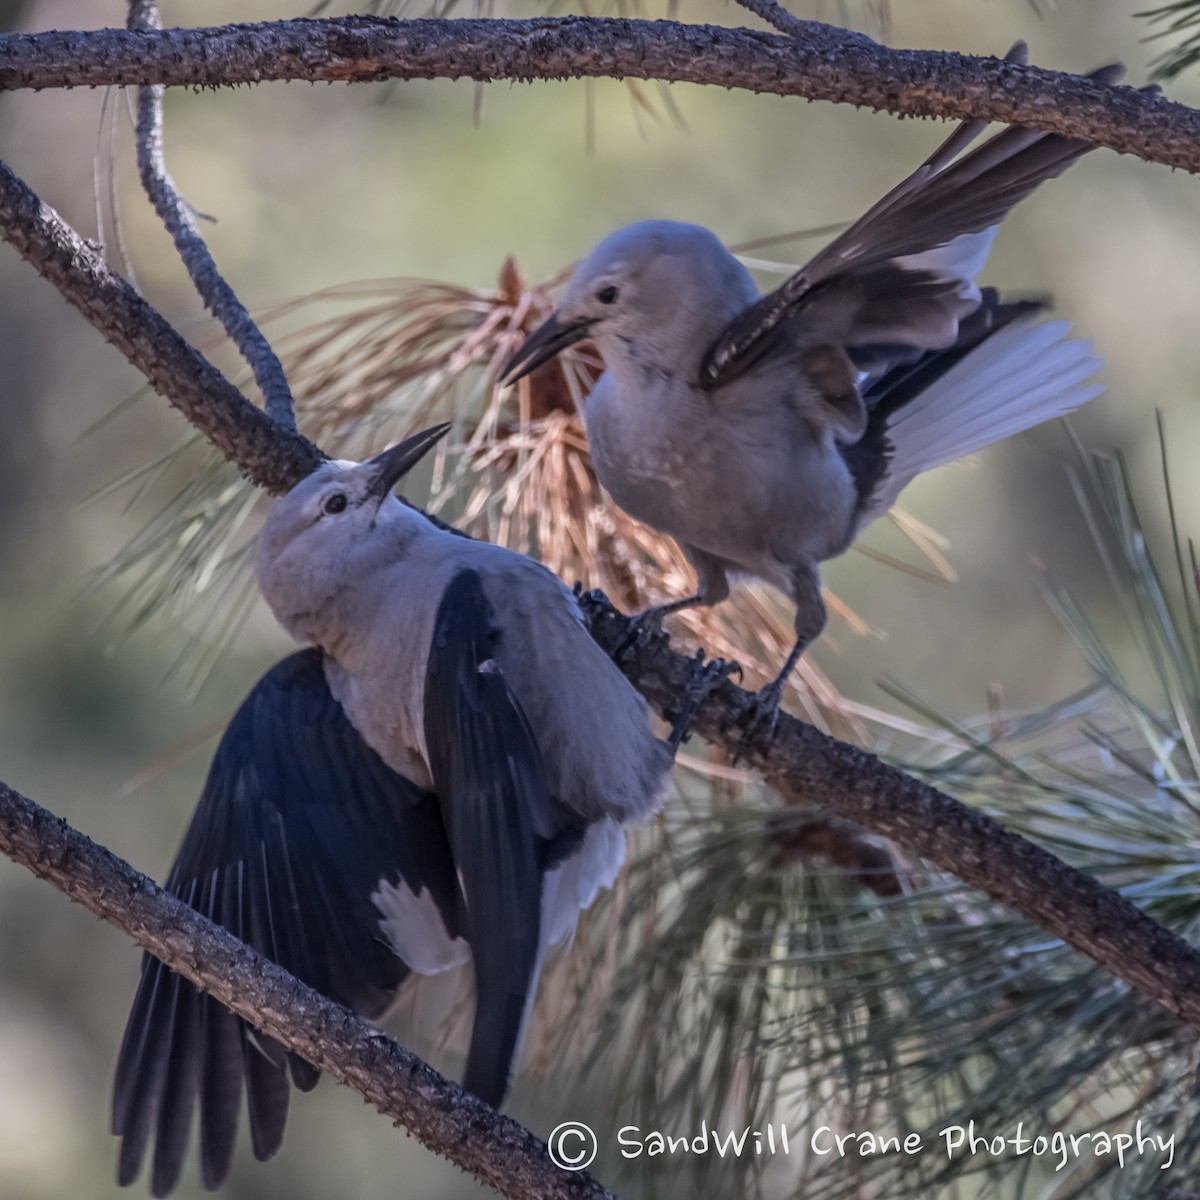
(1017, 378)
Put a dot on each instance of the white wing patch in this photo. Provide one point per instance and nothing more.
(413, 926)
(567, 891)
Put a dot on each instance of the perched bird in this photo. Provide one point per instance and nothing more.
(443, 775)
(763, 433)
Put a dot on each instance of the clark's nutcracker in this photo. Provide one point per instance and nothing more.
(764, 433)
(444, 775)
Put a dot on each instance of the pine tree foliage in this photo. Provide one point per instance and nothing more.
(1177, 23)
(751, 989)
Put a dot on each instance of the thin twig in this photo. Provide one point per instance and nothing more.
(775, 14)
(802, 763)
(828, 63)
(450, 1122)
(175, 214)
(269, 456)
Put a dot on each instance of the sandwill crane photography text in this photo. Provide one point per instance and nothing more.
(573, 1145)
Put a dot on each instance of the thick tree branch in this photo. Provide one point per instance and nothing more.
(807, 767)
(803, 764)
(217, 295)
(800, 762)
(270, 457)
(449, 1121)
(827, 63)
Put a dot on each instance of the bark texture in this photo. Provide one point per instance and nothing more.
(808, 768)
(449, 1121)
(269, 456)
(826, 63)
(177, 217)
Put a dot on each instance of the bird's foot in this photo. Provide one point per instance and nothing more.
(642, 627)
(649, 621)
(703, 678)
(760, 717)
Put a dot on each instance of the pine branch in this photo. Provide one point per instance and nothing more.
(270, 457)
(827, 63)
(450, 1122)
(802, 763)
(773, 13)
(806, 767)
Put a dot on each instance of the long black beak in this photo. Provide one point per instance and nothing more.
(547, 340)
(395, 463)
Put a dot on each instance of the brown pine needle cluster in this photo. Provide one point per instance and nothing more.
(516, 468)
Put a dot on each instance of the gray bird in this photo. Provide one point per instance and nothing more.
(444, 775)
(764, 433)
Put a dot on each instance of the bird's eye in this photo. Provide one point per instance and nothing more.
(335, 504)
(607, 295)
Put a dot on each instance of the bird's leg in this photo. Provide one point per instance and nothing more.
(762, 712)
(656, 613)
(703, 678)
(648, 621)
(713, 588)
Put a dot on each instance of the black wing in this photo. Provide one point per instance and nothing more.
(298, 823)
(855, 293)
(505, 829)
(868, 457)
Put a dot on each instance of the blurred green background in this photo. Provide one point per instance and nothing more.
(316, 186)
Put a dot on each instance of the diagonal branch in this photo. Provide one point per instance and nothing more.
(826, 63)
(270, 457)
(175, 214)
(804, 764)
(449, 1121)
(775, 14)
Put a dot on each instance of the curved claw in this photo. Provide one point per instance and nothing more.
(650, 620)
(641, 628)
(704, 677)
(761, 717)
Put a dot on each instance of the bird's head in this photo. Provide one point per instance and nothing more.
(330, 528)
(656, 293)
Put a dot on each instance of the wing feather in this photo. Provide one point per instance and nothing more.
(299, 824)
(503, 824)
(888, 256)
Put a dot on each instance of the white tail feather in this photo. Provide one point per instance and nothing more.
(1021, 376)
(574, 885)
(962, 257)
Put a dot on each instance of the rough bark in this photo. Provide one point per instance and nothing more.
(827, 63)
(449, 1121)
(270, 457)
(800, 761)
(816, 61)
(808, 767)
